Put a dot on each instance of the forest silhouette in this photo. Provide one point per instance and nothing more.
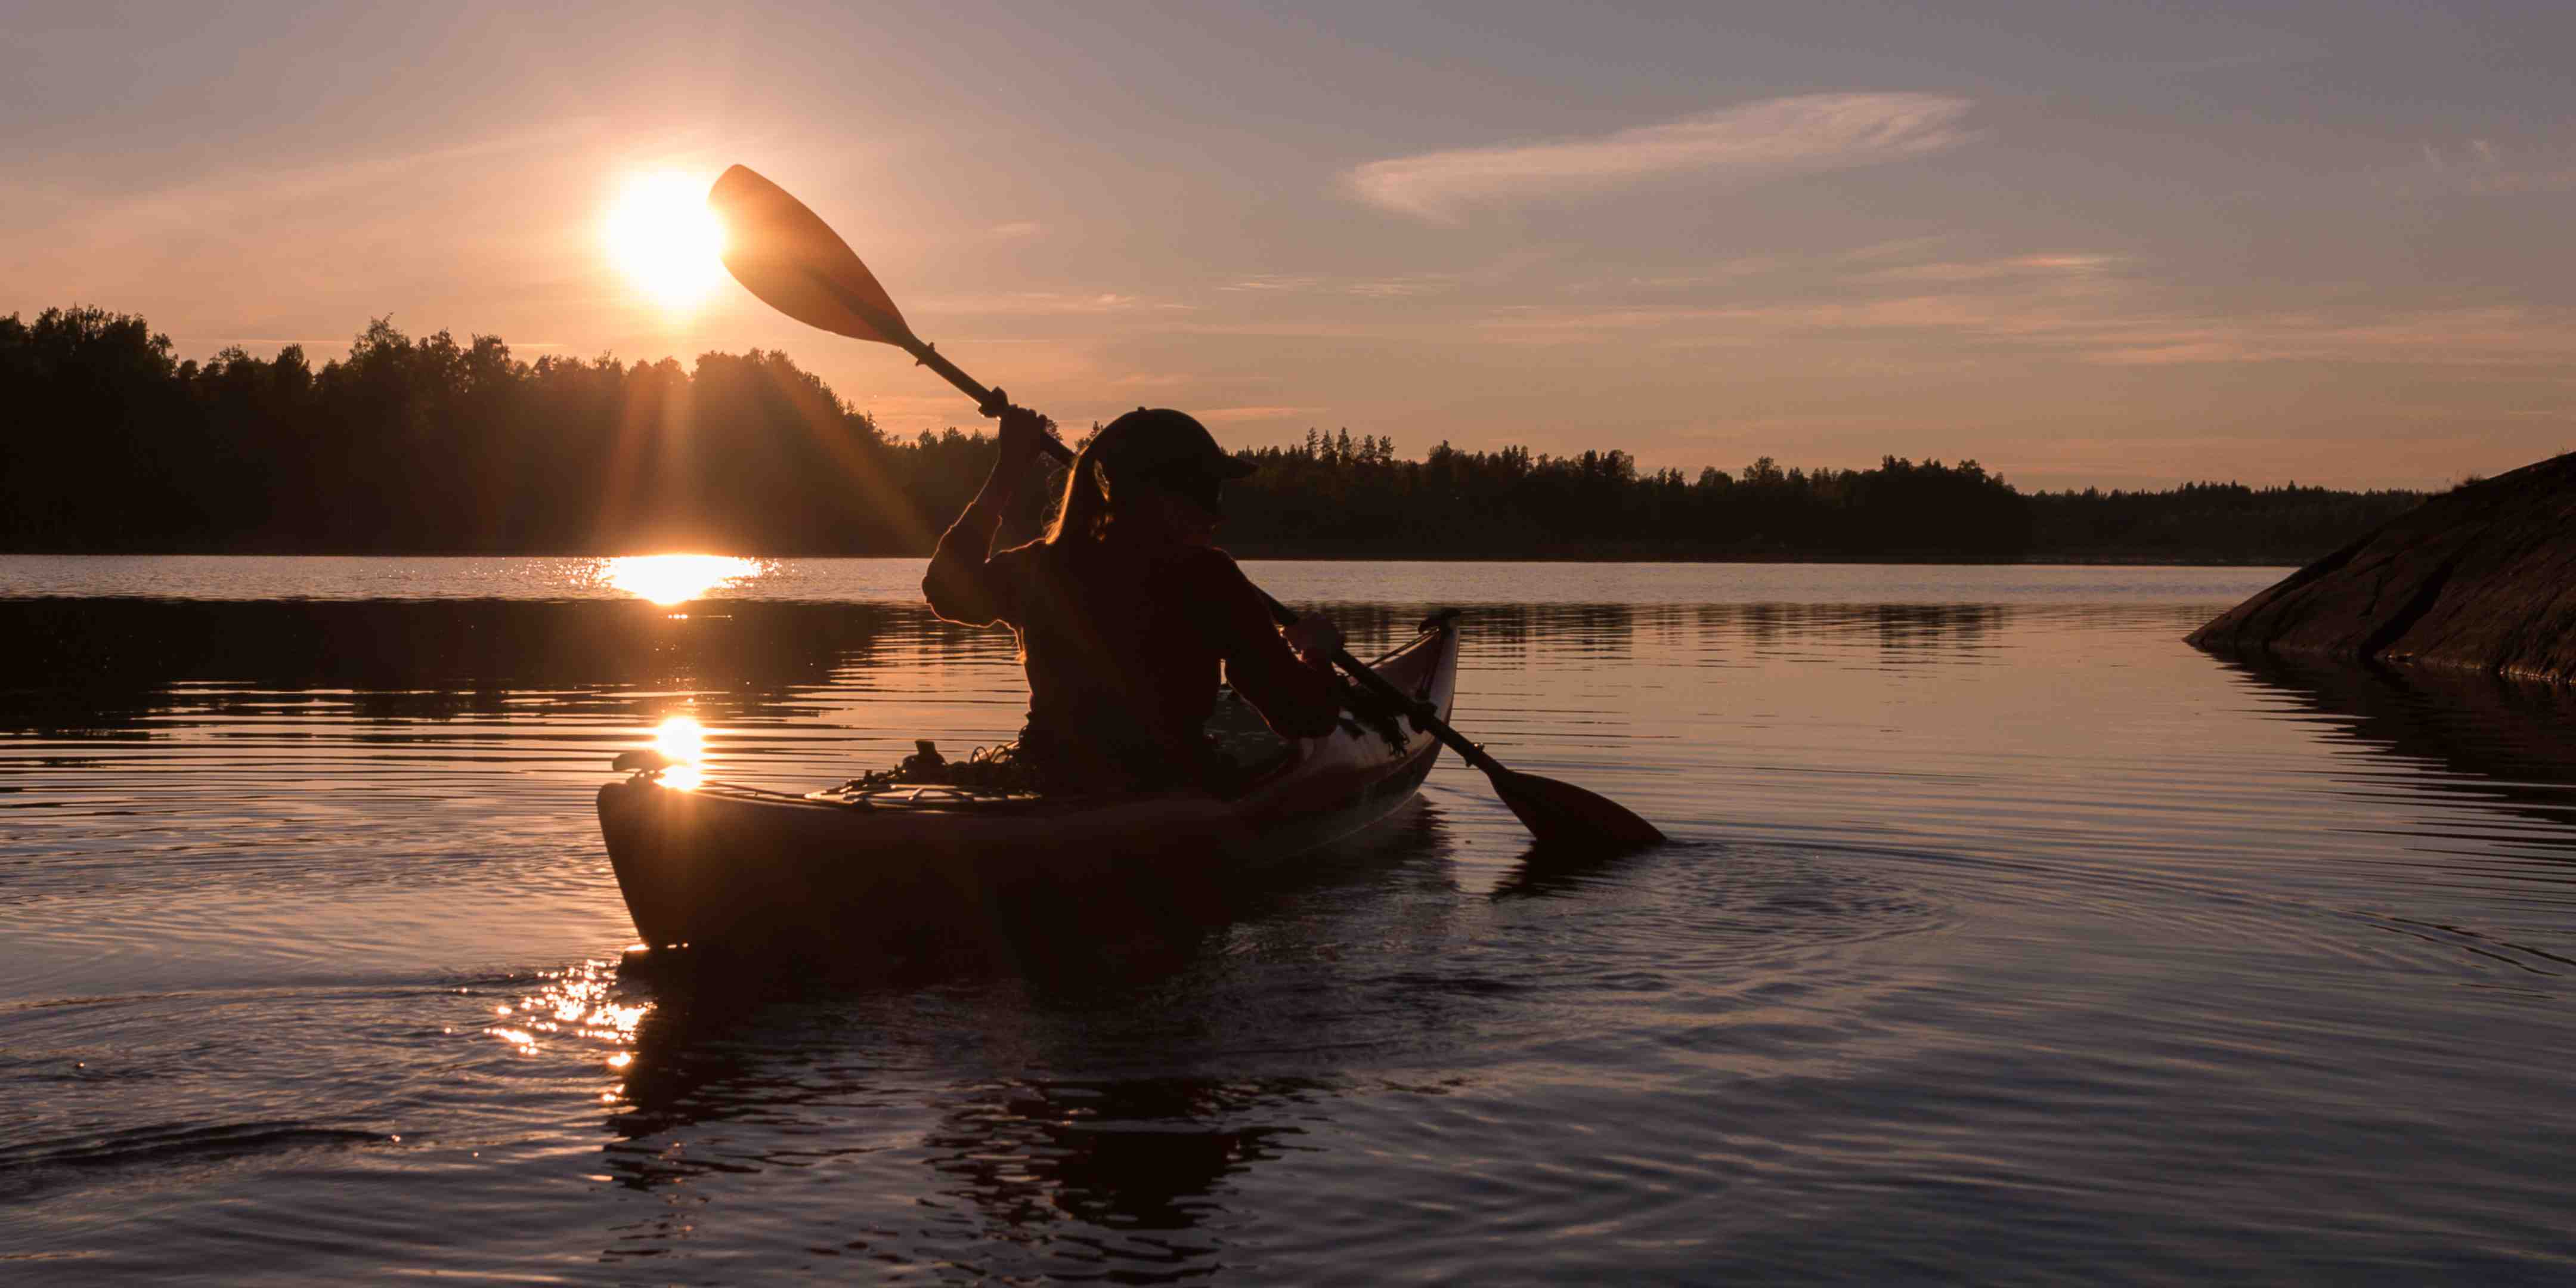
(425, 445)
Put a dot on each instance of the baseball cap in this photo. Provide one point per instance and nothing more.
(1161, 442)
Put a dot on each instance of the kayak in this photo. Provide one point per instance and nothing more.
(716, 866)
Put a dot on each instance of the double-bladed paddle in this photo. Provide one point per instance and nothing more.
(785, 254)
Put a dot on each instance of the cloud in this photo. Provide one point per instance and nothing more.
(2501, 183)
(2103, 335)
(1048, 304)
(1397, 287)
(1800, 134)
(2503, 335)
(2487, 171)
(2018, 266)
(272, 227)
(2077, 306)
(1274, 282)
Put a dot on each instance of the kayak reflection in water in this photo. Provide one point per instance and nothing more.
(1125, 609)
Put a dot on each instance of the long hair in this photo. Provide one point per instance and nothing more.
(1083, 512)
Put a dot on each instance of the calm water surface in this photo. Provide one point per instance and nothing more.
(2002, 939)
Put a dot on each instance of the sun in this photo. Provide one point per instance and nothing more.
(660, 233)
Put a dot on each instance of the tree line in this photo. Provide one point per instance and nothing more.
(429, 445)
(2215, 522)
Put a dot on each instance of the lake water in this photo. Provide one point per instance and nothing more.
(2002, 938)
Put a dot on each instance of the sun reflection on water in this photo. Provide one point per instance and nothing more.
(684, 740)
(677, 579)
(575, 1004)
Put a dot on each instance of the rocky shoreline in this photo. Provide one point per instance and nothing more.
(2481, 578)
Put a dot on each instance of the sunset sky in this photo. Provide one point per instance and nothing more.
(2113, 244)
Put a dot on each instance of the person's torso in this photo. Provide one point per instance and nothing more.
(1121, 657)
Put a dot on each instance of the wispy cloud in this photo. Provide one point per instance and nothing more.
(261, 214)
(1048, 304)
(1396, 287)
(2098, 332)
(1987, 270)
(1799, 134)
(2508, 182)
(2081, 307)
(1274, 282)
(2502, 335)
(2487, 170)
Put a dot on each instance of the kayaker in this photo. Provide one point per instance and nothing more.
(1126, 608)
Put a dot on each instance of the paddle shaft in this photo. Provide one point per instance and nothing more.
(928, 356)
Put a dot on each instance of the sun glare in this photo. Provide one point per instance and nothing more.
(662, 236)
(677, 579)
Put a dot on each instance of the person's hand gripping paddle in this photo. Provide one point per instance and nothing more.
(785, 254)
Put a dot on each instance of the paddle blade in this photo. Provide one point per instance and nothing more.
(1564, 816)
(786, 255)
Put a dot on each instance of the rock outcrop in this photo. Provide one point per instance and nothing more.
(2480, 578)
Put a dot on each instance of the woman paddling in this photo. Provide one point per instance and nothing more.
(1125, 609)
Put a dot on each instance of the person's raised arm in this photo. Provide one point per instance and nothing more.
(959, 586)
